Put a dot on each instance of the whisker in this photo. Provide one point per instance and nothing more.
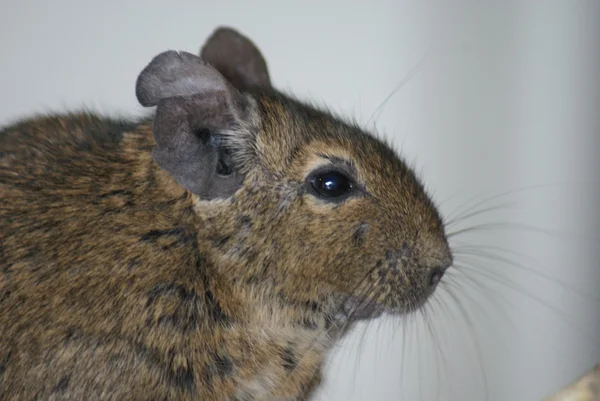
(478, 286)
(478, 212)
(473, 338)
(419, 313)
(333, 326)
(438, 348)
(498, 196)
(360, 350)
(447, 311)
(510, 284)
(401, 84)
(404, 340)
(507, 226)
(480, 252)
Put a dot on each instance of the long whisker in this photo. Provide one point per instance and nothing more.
(401, 84)
(359, 352)
(506, 226)
(438, 348)
(510, 284)
(497, 196)
(445, 287)
(404, 340)
(478, 212)
(478, 286)
(480, 252)
(474, 340)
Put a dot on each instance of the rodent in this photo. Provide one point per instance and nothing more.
(214, 250)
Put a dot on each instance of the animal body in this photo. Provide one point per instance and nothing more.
(213, 251)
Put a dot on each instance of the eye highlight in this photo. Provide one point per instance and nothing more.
(331, 184)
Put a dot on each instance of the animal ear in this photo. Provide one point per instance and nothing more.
(197, 110)
(237, 59)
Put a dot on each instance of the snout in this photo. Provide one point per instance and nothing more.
(431, 266)
(402, 281)
(436, 274)
(439, 265)
(421, 270)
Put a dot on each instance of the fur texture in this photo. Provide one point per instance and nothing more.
(116, 283)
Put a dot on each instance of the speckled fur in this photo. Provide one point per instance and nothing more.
(117, 284)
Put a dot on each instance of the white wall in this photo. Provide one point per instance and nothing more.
(507, 99)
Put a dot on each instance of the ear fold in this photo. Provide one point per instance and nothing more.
(195, 105)
(172, 74)
(237, 59)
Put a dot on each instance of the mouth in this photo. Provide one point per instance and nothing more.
(356, 308)
(362, 308)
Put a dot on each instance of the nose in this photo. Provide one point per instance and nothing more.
(437, 273)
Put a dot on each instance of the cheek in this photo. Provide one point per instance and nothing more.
(344, 253)
(359, 234)
(336, 243)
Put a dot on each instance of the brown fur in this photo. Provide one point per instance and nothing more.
(116, 283)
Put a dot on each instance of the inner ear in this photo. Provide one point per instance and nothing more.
(192, 149)
(237, 58)
(198, 115)
(224, 162)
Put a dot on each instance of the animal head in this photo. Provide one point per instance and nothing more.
(293, 199)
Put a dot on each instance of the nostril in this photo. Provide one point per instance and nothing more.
(436, 276)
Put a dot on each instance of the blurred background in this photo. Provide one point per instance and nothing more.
(496, 104)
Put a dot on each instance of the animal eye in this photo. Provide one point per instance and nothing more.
(331, 184)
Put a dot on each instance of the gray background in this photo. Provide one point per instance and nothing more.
(507, 99)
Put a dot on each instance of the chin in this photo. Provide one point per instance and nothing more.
(361, 308)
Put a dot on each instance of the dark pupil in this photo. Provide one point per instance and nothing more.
(331, 184)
